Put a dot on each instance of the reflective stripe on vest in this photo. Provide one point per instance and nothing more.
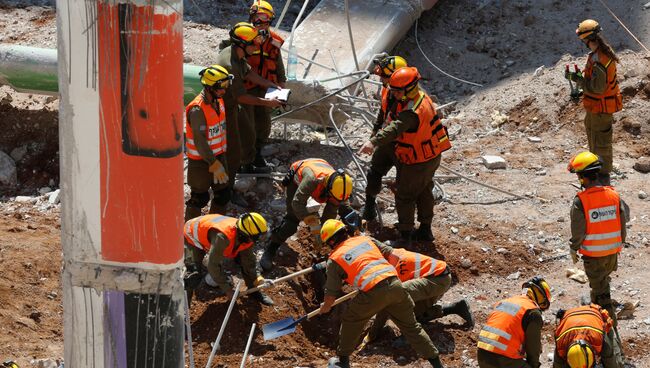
(215, 128)
(611, 100)
(412, 265)
(265, 62)
(428, 141)
(581, 323)
(362, 262)
(196, 233)
(503, 332)
(602, 216)
(321, 169)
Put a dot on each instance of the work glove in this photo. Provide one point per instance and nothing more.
(574, 76)
(262, 282)
(319, 266)
(192, 280)
(574, 256)
(314, 229)
(218, 172)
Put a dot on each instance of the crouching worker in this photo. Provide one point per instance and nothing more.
(585, 337)
(358, 261)
(316, 178)
(224, 237)
(426, 280)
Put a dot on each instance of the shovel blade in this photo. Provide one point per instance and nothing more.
(280, 328)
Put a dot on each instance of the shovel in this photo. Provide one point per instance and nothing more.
(288, 325)
(286, 278)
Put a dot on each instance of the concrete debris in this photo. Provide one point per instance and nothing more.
(643, 195)
(278, 204)
(454, 230)
(243, 185)
(312, 205)
(493, 162)
(642, 165)
(264, 187)
(647, 321)
(534, 139)
(514, 276)
(646, 6)
(6, 100)
(550, 356)
(631, 125)
(626, 311)
(540, 172)
(502, 251)
(25, 199)
(466, 263)
(18, 153)
(8, 173)
(270, 150)
(54, 197)
(498, 118)
(45, 363)
(44, 190)
(577, 275)
(538, 71)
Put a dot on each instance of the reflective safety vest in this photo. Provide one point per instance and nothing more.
(362, 262)
(412, 265)
(196, 233)
(386, 108)
(589, 323)
(321, 170)
(503, 332)
(427, 141)
(216, 128)
(264, 60)
(610, 101)
(601, 206)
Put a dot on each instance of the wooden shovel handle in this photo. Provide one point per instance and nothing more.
(340, 300)
(281, 279)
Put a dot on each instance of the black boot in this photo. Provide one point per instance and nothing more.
(262, 298)
(369, 211)
(405, 238)
(266, 262)
(339, 362)
(260, 163)
(423, 233)
(435, 362)
(460, 308)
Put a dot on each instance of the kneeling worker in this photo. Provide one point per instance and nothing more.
(316, 178)
(359, 262)
(227, 237)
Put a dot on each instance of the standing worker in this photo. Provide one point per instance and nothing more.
(267, 62)
(224, 237)
(426, 280)
(244, 41)
(602, 96)
(383, 158)
(419, 138)
(206, 144)
(315, 178)
(512, 334)
(584, 337)
(598, 218)
(359, 262)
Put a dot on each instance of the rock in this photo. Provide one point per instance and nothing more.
(646, 6)
(264, 187)
(270, 149)
(577, 275)
(44, 190)
(643, 195)
(534, 139)
(474, 271)
(454, 230)
(538, 71)
(631, 125)
(187, 59)
(44, 363)
(465, 263)
(514, 276)
(243, 185)
(25, 199)
(540, 172)
(642, 165)
(278, 204)
(494, 162)
(498, 118)
(560, 219)
(528, 20)
(6, 100)
(18, 153)
(646, 321)
(502, 251)
(54, 197)
(8, 173)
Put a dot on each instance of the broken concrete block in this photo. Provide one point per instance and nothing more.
(577, 275)
(8, 173)
(312, 205)
(642, 165)
(494, 162)
(534, 139)
(54, 197)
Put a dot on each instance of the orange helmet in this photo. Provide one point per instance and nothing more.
(405, 78)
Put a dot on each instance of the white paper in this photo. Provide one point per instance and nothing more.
(280, 94)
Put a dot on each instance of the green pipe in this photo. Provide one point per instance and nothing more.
(34, 70)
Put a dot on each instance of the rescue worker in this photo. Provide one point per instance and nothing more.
(601, 94)
(426, 280)
(584, 337)
(383, 158)
(223, 237)
(244, 41)
(267, 62)
(418, 138)
(315, 178)
(206, 144)
(511, 336)
(358, 261)
(598, 218)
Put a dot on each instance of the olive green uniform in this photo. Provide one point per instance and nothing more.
(296, 201)
(532, 324)
(219, 242)
(598, 126)
(199, 178)
(388, 296)
(383, 158)
(610, 355)
(597, 269)
(414, 182)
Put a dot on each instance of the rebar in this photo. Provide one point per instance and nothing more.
(248, 345)
(215, 346)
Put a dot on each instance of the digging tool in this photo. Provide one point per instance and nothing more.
(286, 278)
(576, 92)
(288, 325)
(215, 346)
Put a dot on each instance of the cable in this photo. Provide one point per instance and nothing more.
(434, 65)
(628, 31)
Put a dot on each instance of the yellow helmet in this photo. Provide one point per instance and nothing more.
(330, 228)
(339, 185)
(580, 355)
(216, 76)
(252, 224)
(585, 162)
(538, 291)
(389, 64)
(243, 34)
(587, 29)
(262, 7)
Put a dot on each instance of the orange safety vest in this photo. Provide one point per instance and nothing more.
(321, 170)
(264, 60)
(503, 332)
(601, 206)
(426, 142)
(589, 323)
(610, 101)
(412, 265)
(196, 233)
(216, 128)
(386, 109)
(362, 262)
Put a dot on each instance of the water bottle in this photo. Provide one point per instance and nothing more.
(292, 63)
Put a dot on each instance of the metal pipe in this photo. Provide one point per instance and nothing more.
(248, 345)
(215, 346)
(480, 183)
(188, 330)
(284, 11)
(341, 76)
(354, 51)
